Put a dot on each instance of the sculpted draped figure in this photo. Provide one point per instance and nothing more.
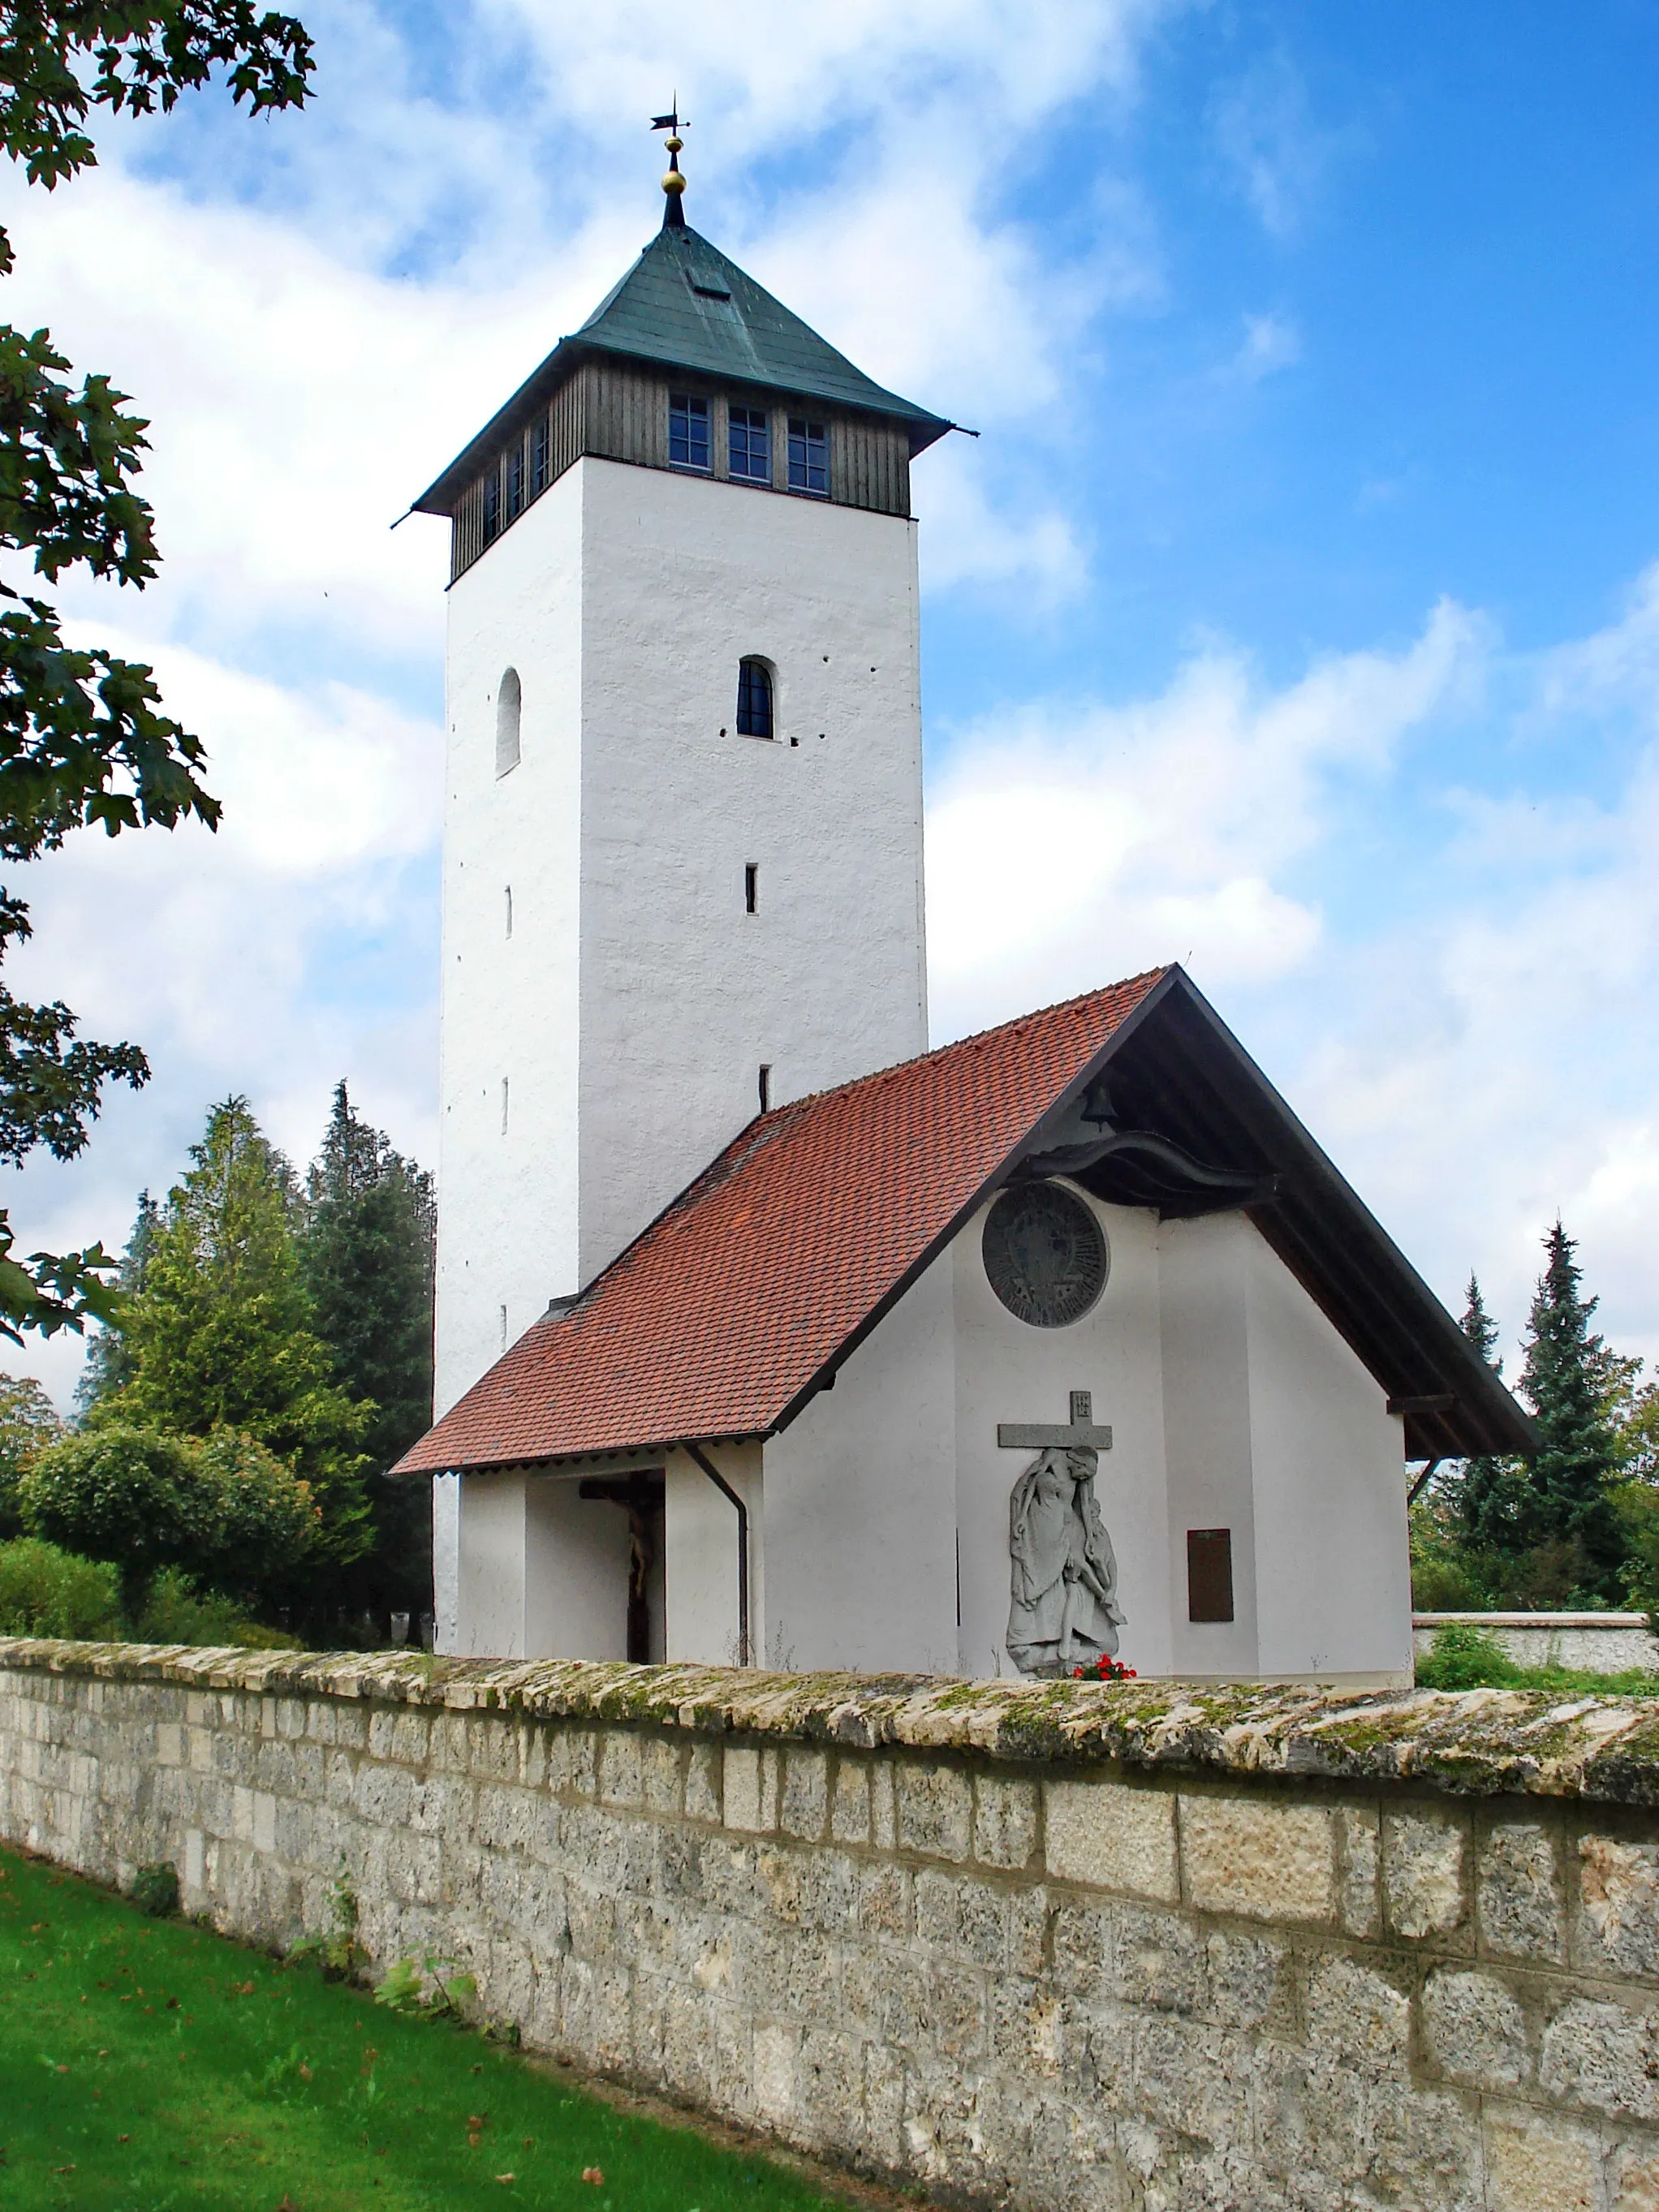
(1064, 1612)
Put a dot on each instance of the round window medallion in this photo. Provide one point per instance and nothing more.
(1045, 1255)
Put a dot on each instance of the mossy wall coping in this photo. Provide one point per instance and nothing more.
(1466, 1743)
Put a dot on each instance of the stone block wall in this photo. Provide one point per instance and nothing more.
(1047, 1946)
(1599, 1643)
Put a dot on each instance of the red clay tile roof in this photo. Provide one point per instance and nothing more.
(734, 1300)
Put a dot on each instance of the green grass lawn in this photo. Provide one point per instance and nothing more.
(146, 2065)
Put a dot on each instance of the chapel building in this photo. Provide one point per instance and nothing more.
(766, 1336)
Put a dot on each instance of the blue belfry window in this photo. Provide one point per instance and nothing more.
(514, 474)
(754, 699)
(750, 445)
(809, 456)
(538, 457)
(492, 505)
(688, 431)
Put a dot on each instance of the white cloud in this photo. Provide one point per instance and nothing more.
(1270, 343)
(1069, 845)
(1477, 1052)
(310, 356)
(1267, 136)
(235, 958)
(317, 311)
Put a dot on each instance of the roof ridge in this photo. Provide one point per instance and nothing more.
(760, 1128)
(1147, 975)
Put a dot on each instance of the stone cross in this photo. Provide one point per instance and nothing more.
(1039, 1436)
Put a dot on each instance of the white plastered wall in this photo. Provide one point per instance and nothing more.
(1008, 1370)
(1333, 1572)
(1205, 1339)
(508, 1195)
(701, 1544)
(542, 1571)
(1233, 1403)
(860, 1506)
(597, 1058)
(683, 993)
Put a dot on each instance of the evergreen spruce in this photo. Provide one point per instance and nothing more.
(1492, 1496)
(1565, 1380)
(222, 1334)
(110, 1362)
(366, 1254)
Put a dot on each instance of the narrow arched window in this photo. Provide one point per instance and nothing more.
(754, 699)
(508, 708)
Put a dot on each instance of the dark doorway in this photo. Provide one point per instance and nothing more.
(641, 1497)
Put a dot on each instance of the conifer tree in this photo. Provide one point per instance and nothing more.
(109, 1359)
(1492, 1496)
(222, 1334)
(366, 1257)
(1564, 1380)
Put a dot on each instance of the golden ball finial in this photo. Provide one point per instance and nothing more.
(673, 182)
(675, 145)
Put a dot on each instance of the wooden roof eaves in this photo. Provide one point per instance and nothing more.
(443, 494)
(1401, 1300)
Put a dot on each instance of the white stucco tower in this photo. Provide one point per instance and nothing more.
(683, 848)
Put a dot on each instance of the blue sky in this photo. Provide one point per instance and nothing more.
(1294, 614)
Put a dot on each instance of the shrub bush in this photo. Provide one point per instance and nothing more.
(45, 1591)
(226, 1510)
(1442, 1585)
(1464, 1657)
(176, 1611)
(155, 1891)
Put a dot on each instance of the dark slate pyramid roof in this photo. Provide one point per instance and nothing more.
(684, 305)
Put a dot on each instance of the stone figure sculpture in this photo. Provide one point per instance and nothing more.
(1064, 1612)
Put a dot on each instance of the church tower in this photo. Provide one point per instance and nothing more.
(683, 844)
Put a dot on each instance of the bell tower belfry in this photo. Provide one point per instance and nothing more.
(683, 845)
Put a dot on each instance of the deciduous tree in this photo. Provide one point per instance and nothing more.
(28, 1423)
(83, 738)
(223, 1509)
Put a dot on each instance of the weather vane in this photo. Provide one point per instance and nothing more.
(673, 184)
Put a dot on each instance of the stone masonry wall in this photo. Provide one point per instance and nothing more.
(1047, 1946)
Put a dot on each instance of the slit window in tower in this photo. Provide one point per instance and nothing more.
(512, 473)
(504, 1085)
(749, 444)
(510, 909)
(688, 431)
(509, 714)
(751, 887)
(754, 699)
(765, 1086)
(538, 457)
(809, 456)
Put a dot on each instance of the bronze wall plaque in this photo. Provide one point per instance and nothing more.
(1209, 1574)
